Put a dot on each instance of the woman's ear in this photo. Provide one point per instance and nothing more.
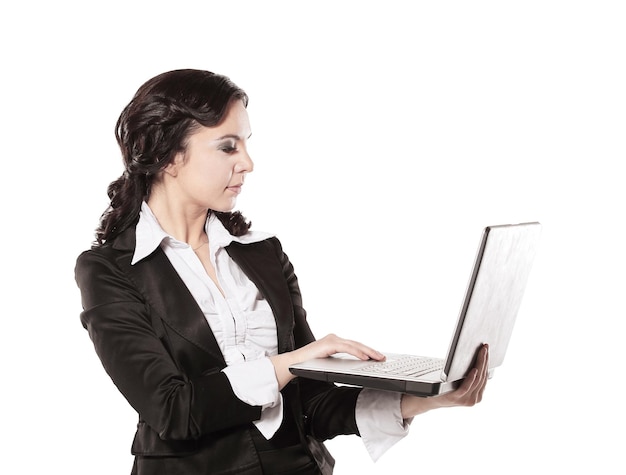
(172, 168)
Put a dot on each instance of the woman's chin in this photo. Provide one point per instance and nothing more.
(224, 209)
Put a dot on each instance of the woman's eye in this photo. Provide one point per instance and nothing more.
(228, 148)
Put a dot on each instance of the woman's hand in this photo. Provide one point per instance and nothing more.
(469, 393)
(327, 346)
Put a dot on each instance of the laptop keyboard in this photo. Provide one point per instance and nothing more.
(406, 366)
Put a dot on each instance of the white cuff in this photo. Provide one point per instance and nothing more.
(254, 382)
(380, 422)
(271, 419)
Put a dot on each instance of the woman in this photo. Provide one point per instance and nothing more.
(197, 319)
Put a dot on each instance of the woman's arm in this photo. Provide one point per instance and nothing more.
(327, 409)
(173, 403)
(327, 346)
(306, 347)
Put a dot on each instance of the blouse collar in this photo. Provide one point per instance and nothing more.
(150, 235)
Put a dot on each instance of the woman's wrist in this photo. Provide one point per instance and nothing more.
(281, 363)
(411, 406)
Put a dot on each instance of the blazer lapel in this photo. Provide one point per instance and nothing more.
(260, 263)
(167, 294)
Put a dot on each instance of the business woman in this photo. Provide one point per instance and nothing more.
(196, 318)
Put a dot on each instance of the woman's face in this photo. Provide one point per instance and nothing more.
(210, 173)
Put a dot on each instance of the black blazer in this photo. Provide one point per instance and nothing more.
(157, 347)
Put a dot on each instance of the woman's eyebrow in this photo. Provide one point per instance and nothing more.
(231, 136)
(227, 136)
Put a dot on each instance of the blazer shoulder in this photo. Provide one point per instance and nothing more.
(271, 244)
(108, 254)
(275, 242)
(100, 278)
(92, 259)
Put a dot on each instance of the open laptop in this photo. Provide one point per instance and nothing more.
(488, 312)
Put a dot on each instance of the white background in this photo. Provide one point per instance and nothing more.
(385, 136)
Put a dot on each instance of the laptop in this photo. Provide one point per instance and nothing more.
(488, 312)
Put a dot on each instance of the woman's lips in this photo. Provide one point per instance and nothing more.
(235, 189)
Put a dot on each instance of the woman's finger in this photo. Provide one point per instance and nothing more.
(332, 344)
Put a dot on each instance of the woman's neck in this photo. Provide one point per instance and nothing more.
(183, 222)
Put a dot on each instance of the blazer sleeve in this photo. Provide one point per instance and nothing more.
(120, 324)
(328, 410)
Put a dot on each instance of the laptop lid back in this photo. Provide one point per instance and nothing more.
(493, 297)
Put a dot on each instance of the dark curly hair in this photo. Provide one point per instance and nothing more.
(153, 128)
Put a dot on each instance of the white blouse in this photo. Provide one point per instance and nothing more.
(245, 329)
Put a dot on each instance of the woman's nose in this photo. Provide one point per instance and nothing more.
(246, 164)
